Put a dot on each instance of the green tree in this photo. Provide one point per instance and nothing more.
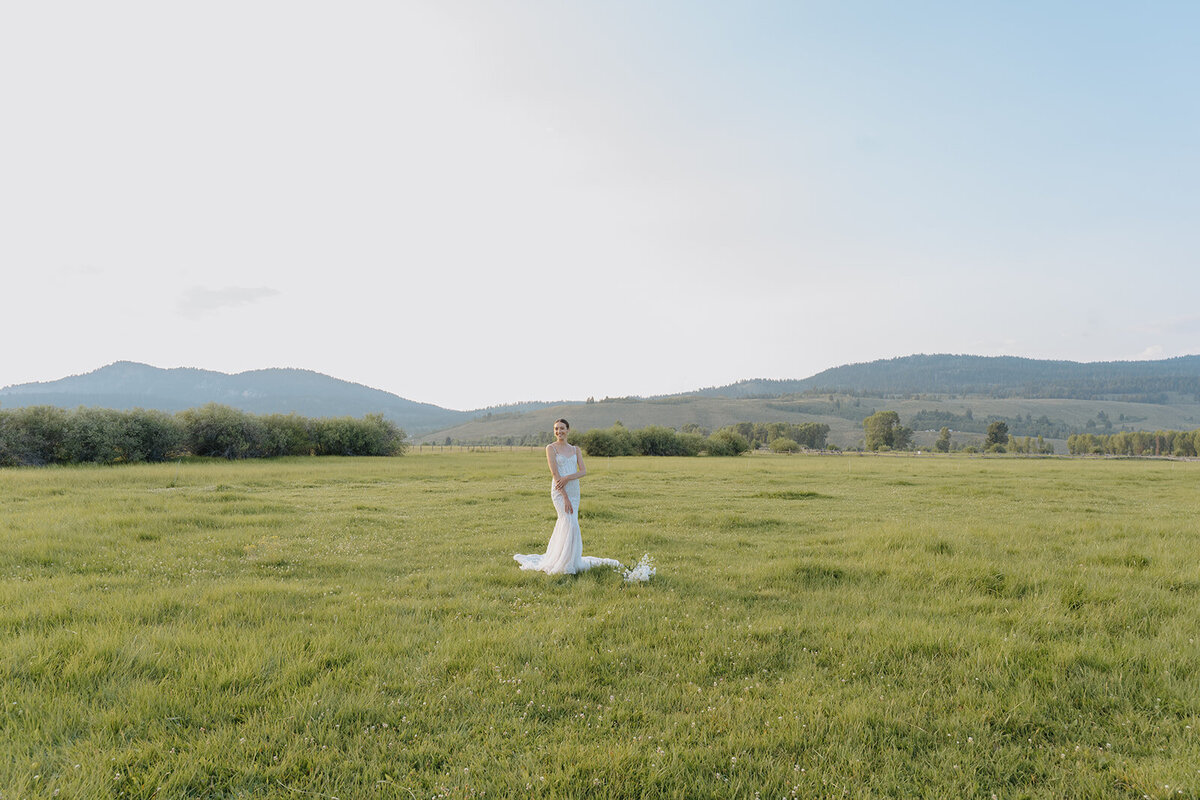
(997, 433)
(883, 429)
(809, 434)
(778, 430)
(942, 445)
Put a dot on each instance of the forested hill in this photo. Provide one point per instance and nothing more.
(126, 384)
(990, 376)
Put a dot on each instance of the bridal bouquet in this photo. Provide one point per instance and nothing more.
(642, 572)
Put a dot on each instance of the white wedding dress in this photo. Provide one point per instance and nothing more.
(564, 554)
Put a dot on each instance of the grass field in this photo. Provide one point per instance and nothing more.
(936, 627)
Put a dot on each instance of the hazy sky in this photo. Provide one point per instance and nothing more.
(473, 203)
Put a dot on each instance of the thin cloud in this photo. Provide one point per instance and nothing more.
(1177, 325)
(199, 300)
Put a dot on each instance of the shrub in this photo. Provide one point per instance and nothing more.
(152, 435)
(33, 436)
(289, 435)
(223, 432)
(47, 435)
(606, 442)
(726, 442)
(94, 435)
(104, 436)
(655, 440)
(784, 446)
(370, 436)
(690, 444)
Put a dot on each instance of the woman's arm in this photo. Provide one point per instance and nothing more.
(581, 470)
(553, 465)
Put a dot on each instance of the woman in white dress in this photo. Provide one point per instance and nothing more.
(564, 553)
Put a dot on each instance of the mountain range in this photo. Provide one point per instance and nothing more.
(127, 384)
(988, 376)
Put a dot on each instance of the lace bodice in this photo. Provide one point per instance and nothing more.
(567, 465)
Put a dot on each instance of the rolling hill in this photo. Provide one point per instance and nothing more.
(843, 414)
(989, 376)
(126, 384)
(1052, 398)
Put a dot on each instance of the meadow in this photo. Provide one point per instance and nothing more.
(819, 626)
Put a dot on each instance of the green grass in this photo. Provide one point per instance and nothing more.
(818, 627)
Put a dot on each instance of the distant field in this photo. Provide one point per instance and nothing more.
(843, 415)
(855, 626)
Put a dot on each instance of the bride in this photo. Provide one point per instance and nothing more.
(564, 553)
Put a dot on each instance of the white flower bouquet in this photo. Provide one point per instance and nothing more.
(640, 573)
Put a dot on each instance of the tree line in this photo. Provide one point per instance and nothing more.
(40, 435)
(926, 420)
(882, 431)
(694, 440)
(1184, 444)
(810, 435)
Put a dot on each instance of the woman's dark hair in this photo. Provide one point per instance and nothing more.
(564, 422)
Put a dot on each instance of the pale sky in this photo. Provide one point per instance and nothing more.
(475, 203)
